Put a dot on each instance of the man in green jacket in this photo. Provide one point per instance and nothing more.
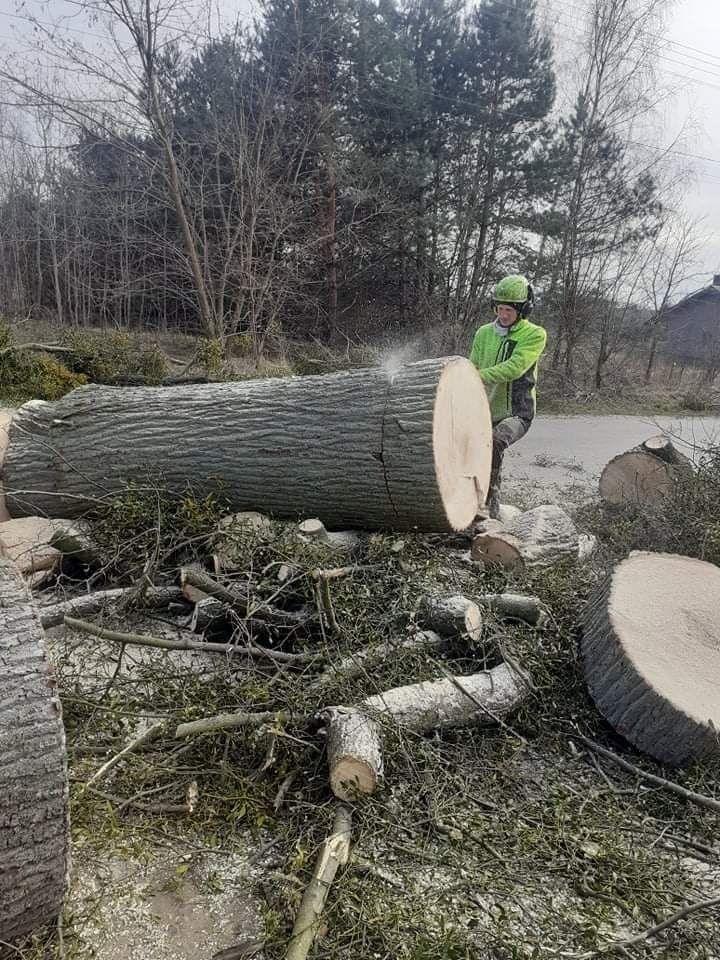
(506, 355)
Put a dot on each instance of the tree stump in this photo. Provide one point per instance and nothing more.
(651, 654)
(364, 449)
(647, 474)
(34, 835)
(537, 538)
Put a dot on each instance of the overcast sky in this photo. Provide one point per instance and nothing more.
(696, 24)
(689, 60)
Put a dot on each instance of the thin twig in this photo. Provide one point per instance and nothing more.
(152, 733)
(230, 721)
(701, 799)
(145, 640)
(686, 911)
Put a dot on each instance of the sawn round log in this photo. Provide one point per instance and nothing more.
(651, 654)
(365, 448)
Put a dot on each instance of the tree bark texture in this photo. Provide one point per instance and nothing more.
(34, 836)
(651, 654)
(369, 448)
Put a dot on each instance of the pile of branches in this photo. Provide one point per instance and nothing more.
(216, 673)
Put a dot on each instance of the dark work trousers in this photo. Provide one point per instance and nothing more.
(505, 433)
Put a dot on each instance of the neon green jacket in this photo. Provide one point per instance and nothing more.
(508, 367)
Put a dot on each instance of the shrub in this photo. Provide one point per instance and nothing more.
(27, 376)
(114, 358)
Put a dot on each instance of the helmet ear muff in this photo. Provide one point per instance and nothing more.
(527, 308)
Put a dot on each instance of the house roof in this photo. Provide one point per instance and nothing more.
(712, 291)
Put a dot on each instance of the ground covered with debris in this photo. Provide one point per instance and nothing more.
(501, 840)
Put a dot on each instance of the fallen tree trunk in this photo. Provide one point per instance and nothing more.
(651, 654)
(359, 449)
(354, 733)
(647, 474)
(537, 538)
(34, 835)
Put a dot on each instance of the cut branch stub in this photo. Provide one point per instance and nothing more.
(651, 654)
(363, 448)
(649, 473)
(34, 835)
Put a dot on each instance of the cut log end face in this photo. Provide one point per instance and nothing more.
(646, 476)
(352, 777)
(651, 654)
(462, 442)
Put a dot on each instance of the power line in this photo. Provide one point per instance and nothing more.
(460, 101)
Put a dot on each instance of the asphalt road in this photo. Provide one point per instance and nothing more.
(563, 457)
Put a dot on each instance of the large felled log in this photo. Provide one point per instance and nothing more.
(354, 733)
(651, 654)
(646, 474)
(359, 449)
(537, 538)
(34, 837)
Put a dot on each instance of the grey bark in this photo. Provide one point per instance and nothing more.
(453, 616)
(34, 836)
(354, 448)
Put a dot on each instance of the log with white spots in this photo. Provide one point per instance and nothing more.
(34, 836)
(647, 474)
(357, 449)
(537, 538)
(355, 735)
(651, 654)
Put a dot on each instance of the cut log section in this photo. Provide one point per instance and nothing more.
(34, 835)
(537, 538)
(354, 733)
(647, 474)
(651, 654)
(515, 606)
(359, 449)
(454, 616)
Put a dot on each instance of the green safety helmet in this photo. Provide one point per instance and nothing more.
(514, 291)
